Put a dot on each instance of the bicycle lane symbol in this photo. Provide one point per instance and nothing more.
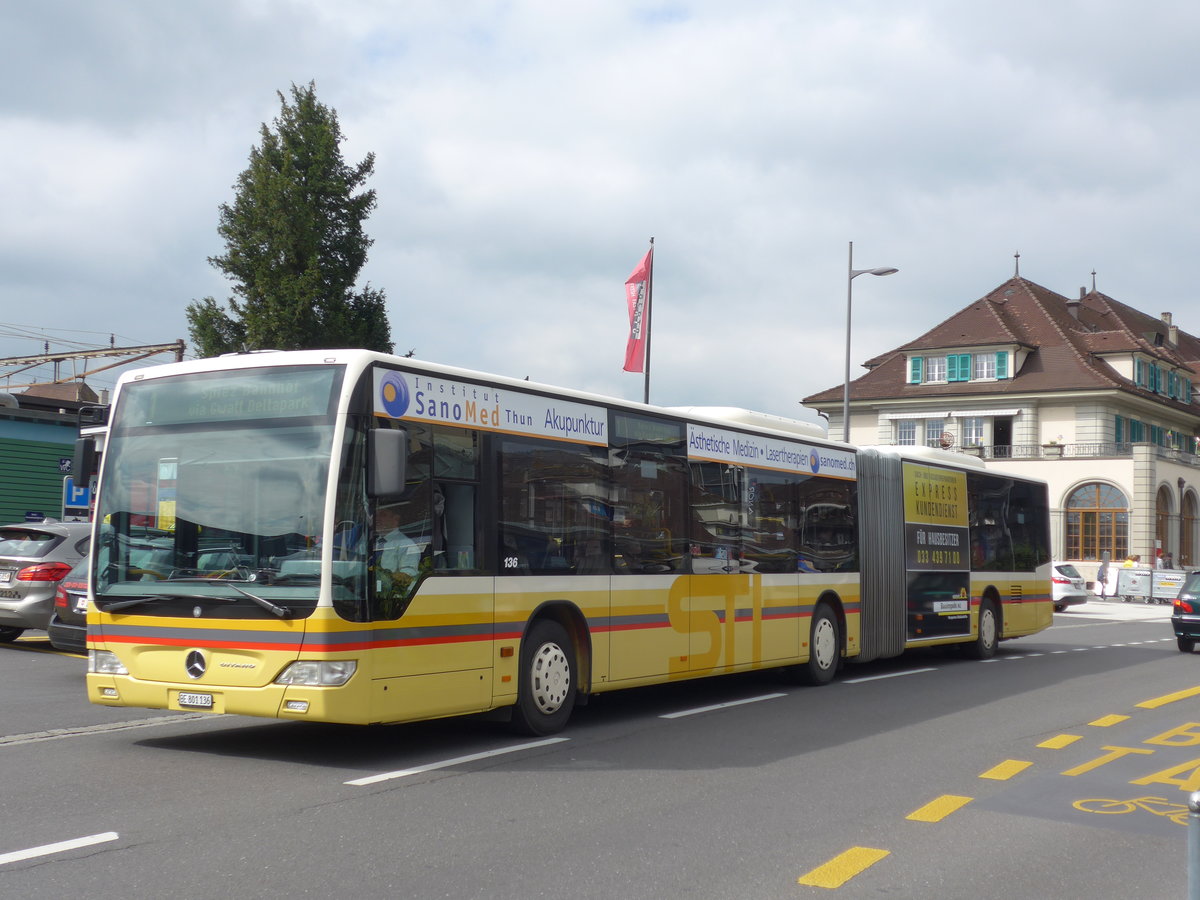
(1137, 780)
(1155, 806)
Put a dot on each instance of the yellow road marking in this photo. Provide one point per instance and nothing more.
(1106, 721)
(1060, 741)
(1006, 770)
(1169, 698)
(936, 810)
(843, 867)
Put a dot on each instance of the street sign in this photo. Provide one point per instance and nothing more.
(77, 500)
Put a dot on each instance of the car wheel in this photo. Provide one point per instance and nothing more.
(546, 691)
(986, 641)
(1186, 645)
(8, 635)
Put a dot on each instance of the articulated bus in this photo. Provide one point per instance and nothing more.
(344, 536)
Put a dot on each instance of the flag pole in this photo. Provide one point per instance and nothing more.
(649, 307)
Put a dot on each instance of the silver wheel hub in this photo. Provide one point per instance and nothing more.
(549, 678)
(824, 643)
(987, 626)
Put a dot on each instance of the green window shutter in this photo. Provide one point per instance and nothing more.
(914, 369)
(1139, 375)
(958, 366)
(1002, 364)
(1118, 430)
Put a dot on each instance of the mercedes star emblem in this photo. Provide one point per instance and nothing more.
(195, 664)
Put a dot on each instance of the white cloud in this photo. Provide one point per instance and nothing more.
(526, 151)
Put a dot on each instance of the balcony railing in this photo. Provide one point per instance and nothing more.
(1084, 450)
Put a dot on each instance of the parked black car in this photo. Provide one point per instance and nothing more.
(68, 622)
(1185, 613)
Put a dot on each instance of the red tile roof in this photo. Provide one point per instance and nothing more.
(1066, 339)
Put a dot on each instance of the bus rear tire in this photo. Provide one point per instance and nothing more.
(988, 638)
(547, 680)
(824, 648)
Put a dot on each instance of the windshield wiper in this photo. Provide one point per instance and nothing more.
(114, 605)
(274, 608)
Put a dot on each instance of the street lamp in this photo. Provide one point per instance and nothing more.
(854, 273)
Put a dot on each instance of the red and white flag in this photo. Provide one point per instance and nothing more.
(637, 295)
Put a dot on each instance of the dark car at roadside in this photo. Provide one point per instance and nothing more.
(68, 622)
(1185, 613)
(34, 557)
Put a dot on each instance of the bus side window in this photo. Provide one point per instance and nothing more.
(453, 539)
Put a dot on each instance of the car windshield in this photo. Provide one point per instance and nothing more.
(219, 478)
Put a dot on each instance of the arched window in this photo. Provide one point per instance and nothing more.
(1097, 520)
(1162, 518)
(1187, 532)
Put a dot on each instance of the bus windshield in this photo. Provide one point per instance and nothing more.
(220, 478)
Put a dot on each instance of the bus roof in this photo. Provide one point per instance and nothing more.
(358, 360)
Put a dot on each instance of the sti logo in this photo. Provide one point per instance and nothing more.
(814, 461)
(393, 394)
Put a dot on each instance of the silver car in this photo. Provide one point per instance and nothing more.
(1068, 586)
(34, 557)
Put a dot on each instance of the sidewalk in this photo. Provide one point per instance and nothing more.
(1116, 608)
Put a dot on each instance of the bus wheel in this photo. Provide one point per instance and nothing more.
(985, 643)
(824, 647)
(546, 692)
(1186, 645)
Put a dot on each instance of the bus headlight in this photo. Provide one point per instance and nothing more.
(318, 673)
(105, 662)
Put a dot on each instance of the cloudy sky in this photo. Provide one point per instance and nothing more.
(527, 150)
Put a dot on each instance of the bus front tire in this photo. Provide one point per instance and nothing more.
(824, 648)
(988, 638)
(547, 680)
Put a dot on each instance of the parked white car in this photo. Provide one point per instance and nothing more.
(1069, 588)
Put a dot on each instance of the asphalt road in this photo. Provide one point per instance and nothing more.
(1058, 769)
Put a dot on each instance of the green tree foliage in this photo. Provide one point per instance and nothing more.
(294, 244)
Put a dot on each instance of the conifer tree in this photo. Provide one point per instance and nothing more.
(294, 244)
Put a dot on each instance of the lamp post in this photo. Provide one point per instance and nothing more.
(852, 274)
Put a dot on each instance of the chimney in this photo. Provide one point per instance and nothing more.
(1073, 305)
(1172, 330)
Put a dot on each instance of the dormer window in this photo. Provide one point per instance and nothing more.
(989, 366)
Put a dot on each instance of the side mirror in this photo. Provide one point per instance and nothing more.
(387, 459)
(92, 415)
(83, 466)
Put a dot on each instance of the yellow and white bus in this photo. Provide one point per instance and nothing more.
(344, 536)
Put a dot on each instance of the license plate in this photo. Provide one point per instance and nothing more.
(5, 576)
(81, 604)
(200, 701)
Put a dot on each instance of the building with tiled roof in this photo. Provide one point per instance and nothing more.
(1092, 395)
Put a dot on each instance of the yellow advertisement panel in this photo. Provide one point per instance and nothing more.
(934, 496)
(937, 552)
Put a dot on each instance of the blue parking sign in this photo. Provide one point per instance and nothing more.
(76, 496)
